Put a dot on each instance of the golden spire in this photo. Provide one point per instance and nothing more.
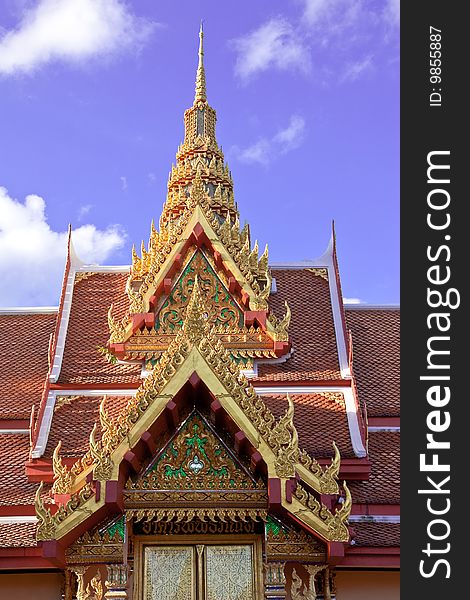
(200, 94)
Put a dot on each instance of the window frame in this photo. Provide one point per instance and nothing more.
(144, 541)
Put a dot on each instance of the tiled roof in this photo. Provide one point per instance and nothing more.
(18, 535)
(15, 488)
(376, 361)
(88, 331)
(24, 344)
(383, 486)
(312, 331)
(319, 419)
(73, 421)
(376, 534)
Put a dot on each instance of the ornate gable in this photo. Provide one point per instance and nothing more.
(199, 234)
(196, 355)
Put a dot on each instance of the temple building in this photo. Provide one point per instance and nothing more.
(201, 425)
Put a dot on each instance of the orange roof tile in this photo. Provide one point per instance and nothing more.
(88, 330)
(24, 345)
(315, 355)
(18, 535)
(376, 534)
(383, 486)
(376, 360)
(16, 489)
(73, 421)
(319, 419)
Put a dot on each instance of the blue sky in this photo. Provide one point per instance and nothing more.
(92, 94)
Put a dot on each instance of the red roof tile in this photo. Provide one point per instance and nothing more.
(24, 344)
(73, 421)
(15, 488)
(88, 330)
(319, 419)
(376, 534)
(312, 331)
(383, 486)
(18, 535)
(376, 361)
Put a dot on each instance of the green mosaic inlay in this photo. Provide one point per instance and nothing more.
(196, 459)
(222, 309)
(118, 527)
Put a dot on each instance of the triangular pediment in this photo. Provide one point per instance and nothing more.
(236, 295)
(196, 459)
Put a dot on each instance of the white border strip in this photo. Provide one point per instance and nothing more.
(384, 428)
(64, 322)
(351, 409)
(103, 269)
(17, 520)
(362, 306)
(374, 518)
(326, 261)
(46, 421)
(29, 310)
(8, 431)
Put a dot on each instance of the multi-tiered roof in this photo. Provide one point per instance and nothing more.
(200, 327)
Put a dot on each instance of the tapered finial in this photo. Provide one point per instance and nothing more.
(201, 75)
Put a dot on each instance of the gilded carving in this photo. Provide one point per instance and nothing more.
(49, 522)
(299, 591)
(337, 522)
(319, 272)
(194, 460)
(46, 523)
(62, 477)
(103, 465)
(285, 441)
(63, 400)
(283, 542)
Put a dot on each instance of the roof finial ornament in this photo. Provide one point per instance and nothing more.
(201, 75)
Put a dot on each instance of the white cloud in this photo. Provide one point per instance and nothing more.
(273, 44)
(265, 150)
(70, 31)
(354, 70)
(123, 180)
(330, 34)
(291, 137)
(392, 12)
(84, 210)
(352, 301)
(32, 255)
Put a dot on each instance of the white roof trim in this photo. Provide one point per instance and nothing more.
(384, 428)
(8, 431)
(351, 408)
(28, 310)
(326, 261)
(46, 421)
(103, 269)
(362, 306)
(374, 518)
(19, 519)
(106, 392)
(64, 322)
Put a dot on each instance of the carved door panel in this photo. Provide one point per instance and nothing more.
(169, 573)
(229, 573)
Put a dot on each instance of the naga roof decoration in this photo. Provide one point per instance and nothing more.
(199, 234)
(197, 351)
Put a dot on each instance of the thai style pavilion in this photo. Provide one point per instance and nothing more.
(202, 424)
